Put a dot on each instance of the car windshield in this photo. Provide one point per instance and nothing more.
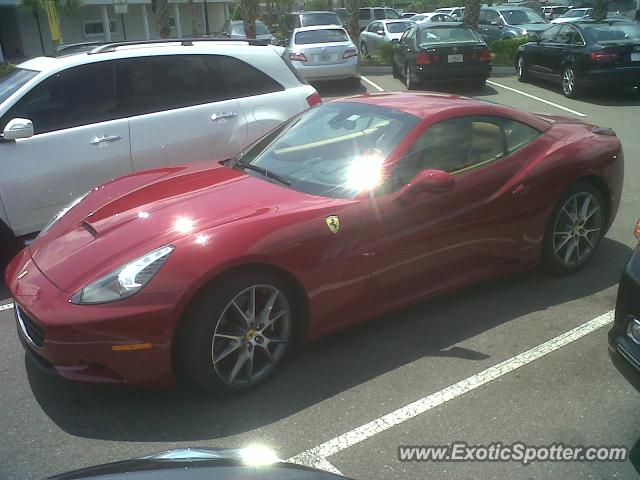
(431, 36)
(398, 27)
(12, 81)
(237, 29)
(621, 32)
(335, 150)
(519, 17)
(310, 20)
(327, 35)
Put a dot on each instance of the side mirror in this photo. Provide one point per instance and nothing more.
(533, 37)
(430, 181)
(18, 128)
(380, 32)
(395, 41)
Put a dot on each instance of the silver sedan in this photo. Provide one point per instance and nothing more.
(381, 31)
(324, 52)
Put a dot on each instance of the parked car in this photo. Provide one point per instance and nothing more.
(72, 122)
(324, 52)
(583, 54)
(254, 462)
(504, 22)
(352, 209)
(530, 4)
(551, 13)
(572, 15)
(367, 15)
(433, 17)
(441, 52)
(381, 31)
(309, 19)
(624, 336)
(409, 14)
(342, 15)
(455, 12)
(236, 30)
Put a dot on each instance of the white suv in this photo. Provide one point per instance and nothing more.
(73, 122)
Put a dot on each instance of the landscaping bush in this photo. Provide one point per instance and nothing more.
(386, 53)
(504, 51)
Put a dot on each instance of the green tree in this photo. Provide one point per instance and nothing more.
(599, 9)
(249, 10)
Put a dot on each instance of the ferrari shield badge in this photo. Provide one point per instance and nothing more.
(333, 222)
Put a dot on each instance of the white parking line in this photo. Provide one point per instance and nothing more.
(6, 306)
(317, 456)
(374, 85)
(496, 84)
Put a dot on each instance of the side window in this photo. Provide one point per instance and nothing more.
(482, 18)
(492, 16)
(245, 80)
(517, 134)
(174, 81)
(453, 146)
(71, 98)
(364, 14)
(564, 36)
(577, 38)
(374, 27)
(407, 35)
(548, 34)
(378, 13)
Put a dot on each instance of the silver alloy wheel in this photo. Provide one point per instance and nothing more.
(521, 67)
(407, 78)
(363, 48)
(577, 229)
(251, 335)
(568, 80)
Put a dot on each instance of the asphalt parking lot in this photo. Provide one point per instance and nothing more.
(363, 382)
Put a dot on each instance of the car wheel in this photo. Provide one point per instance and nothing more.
(408, 81)
(234, 337)
(574, 229)
(394, 70)
(521, 69)
(363, 49)
(479, 84)
(8, 247)
(569, 87)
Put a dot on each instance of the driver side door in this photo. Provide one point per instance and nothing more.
(425, 242)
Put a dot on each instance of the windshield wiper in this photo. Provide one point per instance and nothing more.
(263, 171)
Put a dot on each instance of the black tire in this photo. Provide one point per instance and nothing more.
(363, 49)
(209, 317)
(408, 81)
(569, 88)
(521, 69)
(394, 70)
(563, 234)
(8, 248)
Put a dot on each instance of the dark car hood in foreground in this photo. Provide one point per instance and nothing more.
(135, 214)
(196, 464)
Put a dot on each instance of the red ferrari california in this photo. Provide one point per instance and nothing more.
(350, 210)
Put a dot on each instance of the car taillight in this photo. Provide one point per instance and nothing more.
(423, 58)
(351, 52)
(314, 99)
(300, 57)
(605, 56)
(485, 55)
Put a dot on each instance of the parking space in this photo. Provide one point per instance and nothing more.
(569, 394)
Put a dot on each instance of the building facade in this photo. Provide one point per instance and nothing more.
(24, 34)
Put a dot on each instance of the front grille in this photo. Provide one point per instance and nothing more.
(29, 328)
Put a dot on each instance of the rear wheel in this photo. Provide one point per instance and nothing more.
(363, 48)
(408, 80)
(521, 69)
(235, 336)
(574, 229)
(569, 87)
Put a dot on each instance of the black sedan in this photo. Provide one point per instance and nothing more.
(440, 52)
(624, 336)
(583, 54)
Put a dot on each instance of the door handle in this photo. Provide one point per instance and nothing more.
(222, 116)
(521, 189)
(97, 140)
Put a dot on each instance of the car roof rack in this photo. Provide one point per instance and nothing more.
(185, 42)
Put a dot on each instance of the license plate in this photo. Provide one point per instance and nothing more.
(635, 57)
(323, 57)
(457, 58)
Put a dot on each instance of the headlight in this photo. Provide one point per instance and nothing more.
(125, 281)
(62, 213)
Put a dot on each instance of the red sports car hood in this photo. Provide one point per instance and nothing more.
(135, 214)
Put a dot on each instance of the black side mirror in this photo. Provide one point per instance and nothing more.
(395, 41)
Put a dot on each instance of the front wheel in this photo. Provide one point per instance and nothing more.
(408, 80)
(363, 49)
(521, 69)
(574, 229)
(234, 337)
(569, 87)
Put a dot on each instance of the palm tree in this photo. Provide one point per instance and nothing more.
(472, 13)
(249, 13)
(599, 9)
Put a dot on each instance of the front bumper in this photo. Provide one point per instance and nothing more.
(127, 342)
(617, 77)
(340, 71)
(621, 346)
(452, 72)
